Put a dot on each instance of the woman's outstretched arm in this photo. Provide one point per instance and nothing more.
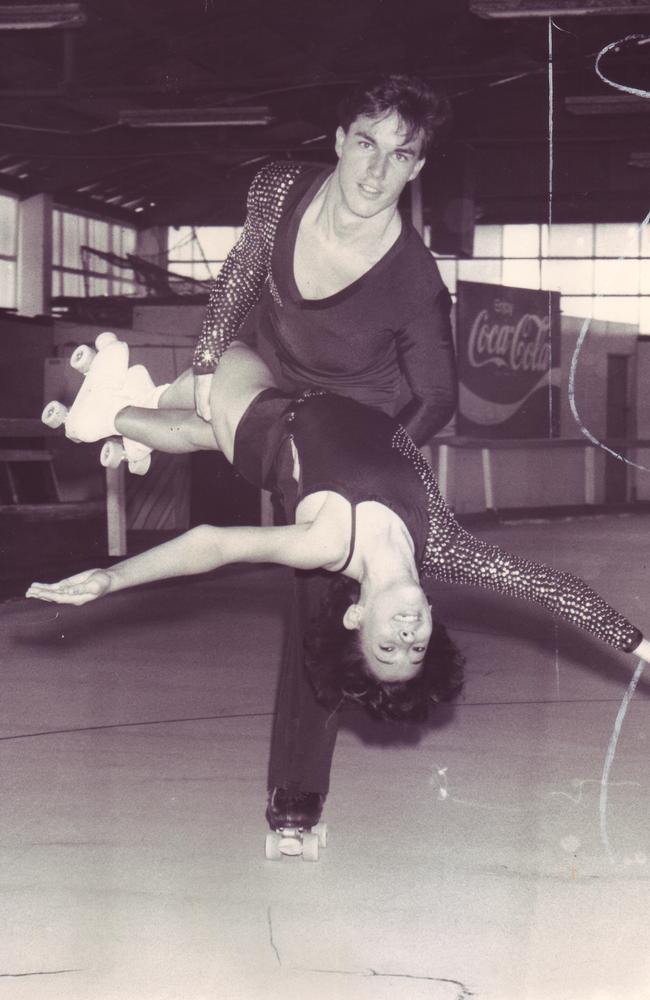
(459, 557)
(452, 555)
(643, 650)
(205, 548)
(196, 551)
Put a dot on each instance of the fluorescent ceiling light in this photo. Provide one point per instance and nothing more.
(556, 8)
(195, 117)
(33, 16)
(615, 104)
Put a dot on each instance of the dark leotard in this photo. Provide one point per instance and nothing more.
(360, 454)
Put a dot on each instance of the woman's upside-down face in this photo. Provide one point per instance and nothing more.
(394, 631)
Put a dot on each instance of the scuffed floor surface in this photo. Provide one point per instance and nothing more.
(502, 852)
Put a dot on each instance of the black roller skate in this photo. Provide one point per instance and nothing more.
(295, 828)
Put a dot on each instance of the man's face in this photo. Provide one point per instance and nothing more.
(376, 163)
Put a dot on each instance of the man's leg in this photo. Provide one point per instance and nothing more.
(304, 732)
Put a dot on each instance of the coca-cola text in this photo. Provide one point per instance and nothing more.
(522, 346)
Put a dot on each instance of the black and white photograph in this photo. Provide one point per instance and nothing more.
(325, 499)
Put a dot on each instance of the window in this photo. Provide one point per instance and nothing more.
(8, 250)
(602, 270)
(199, 251)
(76, 270)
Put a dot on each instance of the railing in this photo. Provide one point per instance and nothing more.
(445, 447)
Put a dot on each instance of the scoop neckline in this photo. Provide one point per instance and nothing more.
(343, 293)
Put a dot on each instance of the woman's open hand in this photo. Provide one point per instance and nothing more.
(78, 589)
(643, 650)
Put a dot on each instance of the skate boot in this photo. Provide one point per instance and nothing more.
(136, 455)
(109, 385)
(92, 414)
(295, 828)
(141, 391)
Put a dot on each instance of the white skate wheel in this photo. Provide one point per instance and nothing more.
(112, 454)
(290, 843)
(54, 414)
(135, 451)
(104, 339)
(309, 847)
(321, 832)
(82, 358)
(140, 466)
(272, 847)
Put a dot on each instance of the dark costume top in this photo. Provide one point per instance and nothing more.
(354, 451)
(393, 321)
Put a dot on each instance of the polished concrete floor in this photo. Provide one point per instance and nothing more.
(501, 852)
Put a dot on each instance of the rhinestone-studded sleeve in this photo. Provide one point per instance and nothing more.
(246, 268)
(452, 555)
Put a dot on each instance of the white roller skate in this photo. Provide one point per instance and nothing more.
(296, 828)
(141, 391)
(92, 415)
(108, 386)
(136, 455)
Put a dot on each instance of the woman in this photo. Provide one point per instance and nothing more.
(368, 508)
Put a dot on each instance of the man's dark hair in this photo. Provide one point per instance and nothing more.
(338, 672)
(421, 109)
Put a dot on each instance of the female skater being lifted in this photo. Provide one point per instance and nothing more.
(366, 506)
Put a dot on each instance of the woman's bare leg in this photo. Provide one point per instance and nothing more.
(240, 377)
(176, 428)
(176, 431)
(179, 395)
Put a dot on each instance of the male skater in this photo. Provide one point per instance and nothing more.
(344, 296)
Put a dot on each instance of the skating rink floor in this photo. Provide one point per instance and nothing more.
(501, 852)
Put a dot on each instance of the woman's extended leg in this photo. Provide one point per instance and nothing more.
(240, 377)
(176, 428)
(179, 394)
(177, 431)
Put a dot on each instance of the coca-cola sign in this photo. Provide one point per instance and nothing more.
(509, 361)
(520, 346)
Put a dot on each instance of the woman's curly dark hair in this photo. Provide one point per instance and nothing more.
(338, 671)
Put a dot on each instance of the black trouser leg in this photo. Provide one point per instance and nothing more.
(304, 733)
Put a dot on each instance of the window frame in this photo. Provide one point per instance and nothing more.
(112, 278)
(9, 261)
(607, 302)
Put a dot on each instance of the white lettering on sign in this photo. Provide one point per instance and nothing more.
(522, 346)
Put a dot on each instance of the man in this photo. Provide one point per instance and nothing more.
(350, 301)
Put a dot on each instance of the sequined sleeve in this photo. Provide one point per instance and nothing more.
(452, 555)
(246, 268)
